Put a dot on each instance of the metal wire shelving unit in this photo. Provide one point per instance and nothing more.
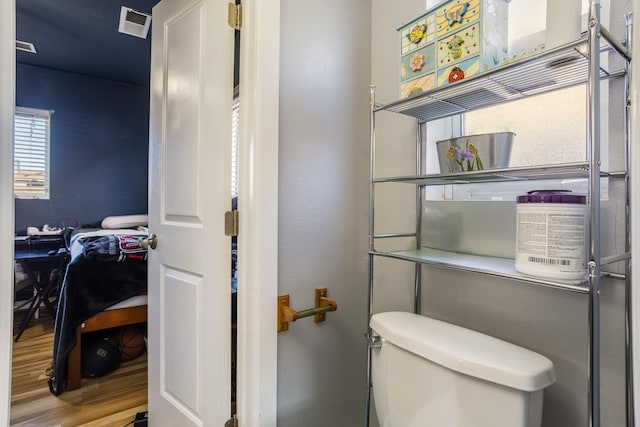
(588, 62)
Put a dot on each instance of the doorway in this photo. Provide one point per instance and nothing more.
(84, 116)
(100, 120)
(256, 335)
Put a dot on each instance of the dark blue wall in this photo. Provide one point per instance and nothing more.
(99, 146)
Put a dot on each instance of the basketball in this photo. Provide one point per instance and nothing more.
(100, 354)
(131, 340)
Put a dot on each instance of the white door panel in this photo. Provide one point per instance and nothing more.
(189, 271)
(179, 293)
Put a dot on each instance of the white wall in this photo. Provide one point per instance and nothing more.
(323, 199)
(550, 322)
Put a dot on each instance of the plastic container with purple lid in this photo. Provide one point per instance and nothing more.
(551, 234)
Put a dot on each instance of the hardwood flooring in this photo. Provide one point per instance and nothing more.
(112, 400)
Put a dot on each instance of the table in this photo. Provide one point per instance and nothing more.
(38, 265)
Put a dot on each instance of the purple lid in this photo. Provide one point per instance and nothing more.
(552, 196)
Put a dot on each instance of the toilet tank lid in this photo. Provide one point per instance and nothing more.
(466, 351)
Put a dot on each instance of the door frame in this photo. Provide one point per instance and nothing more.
(7, 106)
(258, 239)
(258, 206)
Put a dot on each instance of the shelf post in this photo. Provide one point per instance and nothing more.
(372, 164)
(417, 285)
(593, 141)
(628, 19)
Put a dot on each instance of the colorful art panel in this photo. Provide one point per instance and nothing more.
(459, 71)
(456, 14)
(459, 46)
(418, 86)
(417, 34)
(417, 63)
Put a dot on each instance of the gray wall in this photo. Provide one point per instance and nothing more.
(323, 192)
(553, 323)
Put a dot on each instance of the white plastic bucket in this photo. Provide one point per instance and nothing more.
(551, 234)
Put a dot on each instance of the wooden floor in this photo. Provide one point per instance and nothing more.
(112, 400)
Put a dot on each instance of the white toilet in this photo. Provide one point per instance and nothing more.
(429, 373)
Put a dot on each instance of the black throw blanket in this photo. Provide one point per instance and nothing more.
(91, 284)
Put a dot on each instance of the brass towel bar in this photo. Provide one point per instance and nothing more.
(287, 314)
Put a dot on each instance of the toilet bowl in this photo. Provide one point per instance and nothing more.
(431, 373)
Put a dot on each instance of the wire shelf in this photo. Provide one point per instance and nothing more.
(558, 171)
(547, 71)
(493, 266)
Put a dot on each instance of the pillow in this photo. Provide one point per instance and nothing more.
(124, 221)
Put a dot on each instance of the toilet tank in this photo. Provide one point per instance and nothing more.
(429, 372)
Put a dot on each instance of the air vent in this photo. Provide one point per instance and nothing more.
(25, 46)
(134, 23)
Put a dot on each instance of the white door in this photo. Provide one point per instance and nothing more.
(189, 191)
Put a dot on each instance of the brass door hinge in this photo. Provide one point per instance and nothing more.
(235, 16)
(231, 223)
(232, 422)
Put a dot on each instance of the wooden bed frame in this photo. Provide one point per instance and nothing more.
(104, 320)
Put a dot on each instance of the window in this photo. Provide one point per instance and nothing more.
(31, 153)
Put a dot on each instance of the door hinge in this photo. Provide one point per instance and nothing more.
(235, 16)
(231, 223)
(232, 422)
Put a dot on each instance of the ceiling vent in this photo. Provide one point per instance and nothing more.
(25, 46)
(134, 23)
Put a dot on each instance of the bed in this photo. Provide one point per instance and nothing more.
(128, 312)
(104, 286)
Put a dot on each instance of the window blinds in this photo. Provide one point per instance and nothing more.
(31, 153)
